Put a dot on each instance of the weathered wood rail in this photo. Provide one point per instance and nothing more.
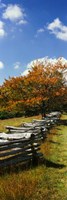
(21, 144)
(21, 150)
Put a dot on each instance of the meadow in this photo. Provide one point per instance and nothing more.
(46, 181)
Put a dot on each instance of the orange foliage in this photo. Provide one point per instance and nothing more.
(42, 84)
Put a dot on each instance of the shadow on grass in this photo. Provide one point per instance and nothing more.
(63, 122)
(29, 165)
(58, 129)
(15, 168)
(58, 134)
(51, 164)
(54, 142)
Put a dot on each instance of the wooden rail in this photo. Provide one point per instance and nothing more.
(21, 150)
(21, 144)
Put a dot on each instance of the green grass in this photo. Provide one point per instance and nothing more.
(47, 181)
(64, 117)
(16, 121)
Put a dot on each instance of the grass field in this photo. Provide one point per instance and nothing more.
(48, 181)
(16, 121)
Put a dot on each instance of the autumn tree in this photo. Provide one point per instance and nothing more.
(46, 84)
(44, 89)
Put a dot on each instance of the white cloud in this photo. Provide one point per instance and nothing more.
(17, 65)
(14, 12)
(47, 61)
(58, 29)
(39, 31)
(22, 22)
(1, 65)
(24, 73)
(2, 31)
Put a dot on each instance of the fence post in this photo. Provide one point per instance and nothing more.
(43, 133)
(34, 151)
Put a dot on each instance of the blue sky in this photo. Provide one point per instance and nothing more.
(30, 29)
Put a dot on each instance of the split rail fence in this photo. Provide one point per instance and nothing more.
(21, 144)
